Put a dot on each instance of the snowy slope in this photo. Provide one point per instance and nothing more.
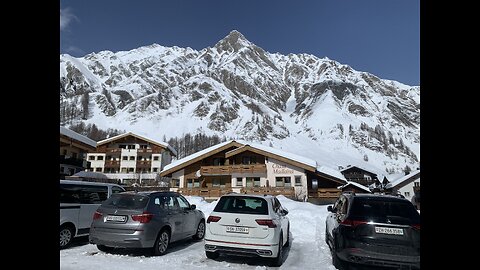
(315, 107)
(307, 251)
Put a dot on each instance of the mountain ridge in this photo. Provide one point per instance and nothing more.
(237, 89)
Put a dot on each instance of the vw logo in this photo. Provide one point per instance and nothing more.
(237, 220)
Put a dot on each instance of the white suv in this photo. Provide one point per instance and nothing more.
(248, 225)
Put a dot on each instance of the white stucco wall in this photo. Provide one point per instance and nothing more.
(156, 163)
(277, 168)
(408, 188)
(128, 163)
(96, 163)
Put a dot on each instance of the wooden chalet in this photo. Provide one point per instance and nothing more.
(359, 175)
(243, 167)
(73, 148)
(130, 158)
(353, 187)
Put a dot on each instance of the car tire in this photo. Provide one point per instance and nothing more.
(162, 242)
(287, 243)
(278, 261)
(200, 230)
(212, 255)
(104, 248)
(66, 236)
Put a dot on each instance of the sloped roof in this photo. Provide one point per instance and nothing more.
(303, 162)
(360, 167)
(161, 144)
(360, 186)
(183, 162)
(404, 180)
(79, 137)
(332, 172)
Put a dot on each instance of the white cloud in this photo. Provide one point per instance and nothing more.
(66, 17)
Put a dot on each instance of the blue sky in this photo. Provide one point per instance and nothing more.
(378, 36)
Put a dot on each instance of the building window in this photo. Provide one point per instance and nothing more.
(132, 157)
(124, 170)
(175, 182)
(189, 183)
(99, 157)
(143, 146)
(218, 161)
(131, 146)
(123, 146)
(91, 157)
(109, 158)
(155, 169)
(239, 182)
(130, 169)
(298, 180)
(98, 169)
(283, 181)
(125, 158)
(74, 155)
(64, 152)
(156, 157)
(407, 194)
(249, 160)
(416, 184)
(253, 181)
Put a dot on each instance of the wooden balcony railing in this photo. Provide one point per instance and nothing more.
(324, 193)
(204, 192)
(144, 164)
(112, 163)
(286, 191)
(229, 169)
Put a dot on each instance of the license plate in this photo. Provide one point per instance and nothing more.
(116, 218)
(231, 229)
(386, 230)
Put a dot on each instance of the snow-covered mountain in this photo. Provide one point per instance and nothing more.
(300, 103)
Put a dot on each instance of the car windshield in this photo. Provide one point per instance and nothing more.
(127, 201)
(242, 205)
(385, 210)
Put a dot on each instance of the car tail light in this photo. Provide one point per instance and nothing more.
(267, 222)
(213, 219)
(416, 226)
(143, 218)
(97, 215)
(353, 223)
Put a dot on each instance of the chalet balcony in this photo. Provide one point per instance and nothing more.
(117, 151)
(285, 191)
(73, 161)
(112, 163)
(205, 192)
(229, 169)
(144, 164)
(142, 150)
(324, 193)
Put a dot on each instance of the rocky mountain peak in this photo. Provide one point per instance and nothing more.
(233, 41)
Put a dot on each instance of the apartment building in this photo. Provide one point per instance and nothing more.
(130, 158)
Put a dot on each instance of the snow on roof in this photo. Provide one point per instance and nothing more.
(163, 144)
(79, 137)
(86, 174)
(360, 186)
(332, 172)
(195, 155)
(297, 158)
(412, 175)
(360, 167)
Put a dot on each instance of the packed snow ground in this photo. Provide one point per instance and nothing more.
(308, 249)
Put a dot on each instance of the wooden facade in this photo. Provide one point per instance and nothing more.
(359, 175)
(234, 167)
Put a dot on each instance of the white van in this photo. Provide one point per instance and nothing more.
(78, 202)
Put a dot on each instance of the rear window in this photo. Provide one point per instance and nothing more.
(381, 210)
(242, 205)
(127, 201)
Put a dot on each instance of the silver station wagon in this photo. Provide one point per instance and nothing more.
(145, 220)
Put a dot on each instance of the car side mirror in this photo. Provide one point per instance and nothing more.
(285, 212)
(193, 207)
(330, 209)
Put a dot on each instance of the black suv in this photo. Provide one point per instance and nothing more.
(370, 229)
